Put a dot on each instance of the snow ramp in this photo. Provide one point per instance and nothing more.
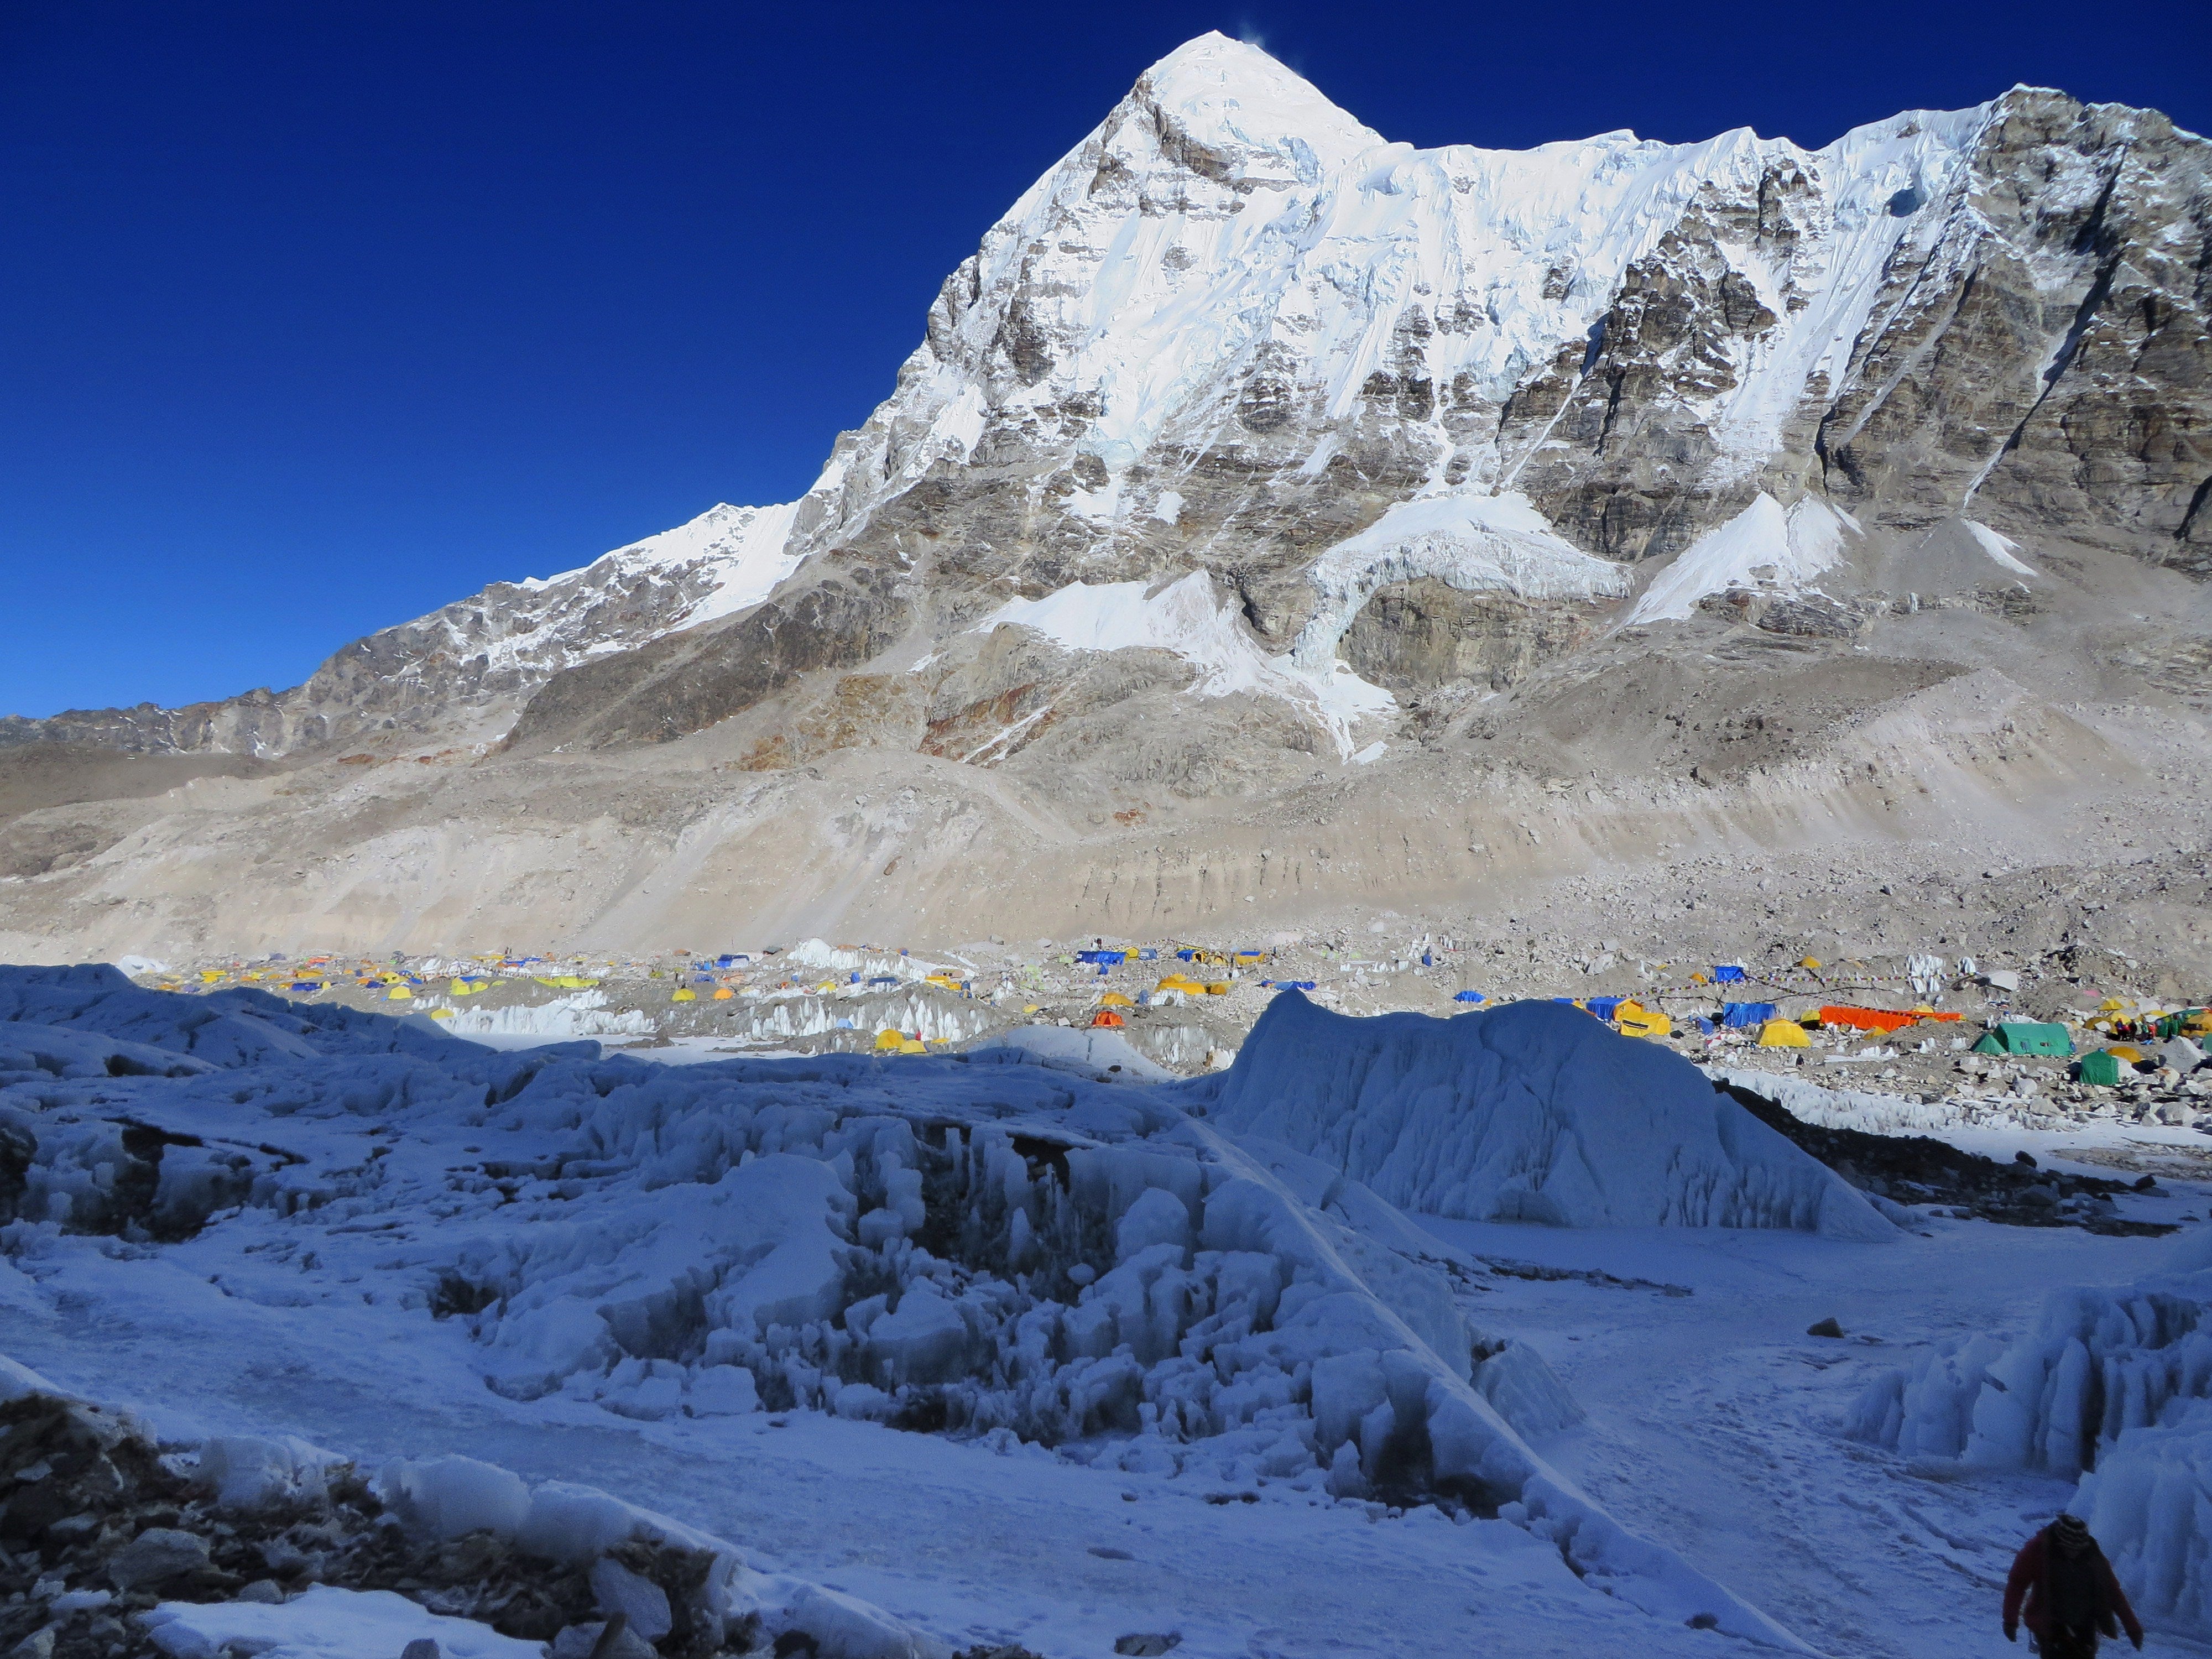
(1532, 1112)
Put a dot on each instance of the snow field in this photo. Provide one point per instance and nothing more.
(1473, 542)
(1763, 546)
(1188, 618)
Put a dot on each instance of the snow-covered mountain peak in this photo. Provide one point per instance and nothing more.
(1234, 100)
(1235, 334)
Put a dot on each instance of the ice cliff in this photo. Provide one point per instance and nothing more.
(1533, 1112)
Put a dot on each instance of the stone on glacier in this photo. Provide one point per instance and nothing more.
(1531, 1112)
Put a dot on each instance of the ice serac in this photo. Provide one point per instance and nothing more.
(2113, 1384)
(1535, 1112)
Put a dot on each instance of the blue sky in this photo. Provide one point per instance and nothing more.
(315, 316)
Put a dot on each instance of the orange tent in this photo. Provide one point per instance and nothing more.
(1867, 1019)
(1107, 1017)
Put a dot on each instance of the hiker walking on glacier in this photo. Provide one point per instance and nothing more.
(2070, 1593)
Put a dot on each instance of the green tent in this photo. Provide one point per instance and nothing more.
(2102, 1069)
(2171, 1026)
(2025, 1036)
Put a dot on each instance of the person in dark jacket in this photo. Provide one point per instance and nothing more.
(2069, 1591)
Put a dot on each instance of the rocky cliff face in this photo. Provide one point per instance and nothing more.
(1249, 444)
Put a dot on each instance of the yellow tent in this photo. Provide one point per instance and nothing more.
(913, 1046)
(889, 1041)
(1784, 1034)
(1115, 1000)
(1638, 1021)
(724, 993)
(2126, 1051)
(441, 1013)
(399, 993)
(687, 994)
(1219, 988)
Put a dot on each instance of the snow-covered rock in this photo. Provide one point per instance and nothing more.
(1531, 1112)
(323, 1622)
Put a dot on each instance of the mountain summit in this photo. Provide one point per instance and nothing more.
(1250, 445)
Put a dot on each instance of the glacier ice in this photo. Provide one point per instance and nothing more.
(1531, 1112)
(967, 1242)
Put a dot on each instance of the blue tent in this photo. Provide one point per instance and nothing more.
(1727, 973)
(1737, 1016)
(1148, 954)
(1702, 1023)
(1106, 958)
(883, 979)
(1290, 984)
(1469, 996)
(1603, 1006)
